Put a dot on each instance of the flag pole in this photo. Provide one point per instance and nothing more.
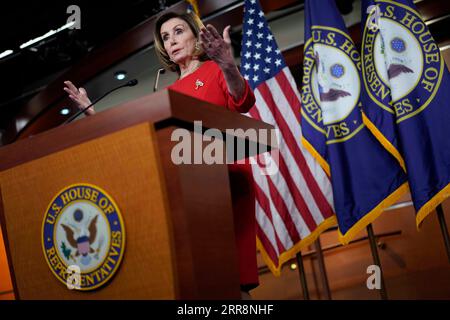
(376, 260)
(323, 269)
(444, 230)
(302, 274)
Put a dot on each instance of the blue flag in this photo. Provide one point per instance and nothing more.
(365, 177)
(408, 86)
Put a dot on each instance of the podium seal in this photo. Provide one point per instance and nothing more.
(83, 230)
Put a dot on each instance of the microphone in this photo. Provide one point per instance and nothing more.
(130, 83)
(155, 85)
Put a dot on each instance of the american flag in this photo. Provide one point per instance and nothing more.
(295, 205)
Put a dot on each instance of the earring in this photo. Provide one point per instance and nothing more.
(197, 46)
(198, 50)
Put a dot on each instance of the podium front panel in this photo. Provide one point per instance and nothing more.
(125, 165)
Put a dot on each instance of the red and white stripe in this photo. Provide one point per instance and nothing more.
(292, 203)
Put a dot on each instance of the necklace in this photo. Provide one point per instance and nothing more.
(188, 72)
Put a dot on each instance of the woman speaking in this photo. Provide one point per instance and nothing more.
(204, 63)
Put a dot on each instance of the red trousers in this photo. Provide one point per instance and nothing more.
(243, 198)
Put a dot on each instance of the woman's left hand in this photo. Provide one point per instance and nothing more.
(219, 50)
(216, 47)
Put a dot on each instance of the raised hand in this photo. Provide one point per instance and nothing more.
(79, 96)
(216, 47)
(219, 50)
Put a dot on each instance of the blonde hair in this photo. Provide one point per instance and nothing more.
(194, 23)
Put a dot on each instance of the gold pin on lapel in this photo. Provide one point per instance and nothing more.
(198, 83)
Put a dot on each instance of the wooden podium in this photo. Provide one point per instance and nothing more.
(178, 218)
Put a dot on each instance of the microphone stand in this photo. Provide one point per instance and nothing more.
(155, 85)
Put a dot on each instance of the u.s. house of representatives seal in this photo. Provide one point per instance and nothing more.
(331, 84)
(83, 229)
(402, 65)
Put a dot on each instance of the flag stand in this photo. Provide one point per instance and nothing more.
(376, 260)
(444, 230)
(302, 273)
(322, 268)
